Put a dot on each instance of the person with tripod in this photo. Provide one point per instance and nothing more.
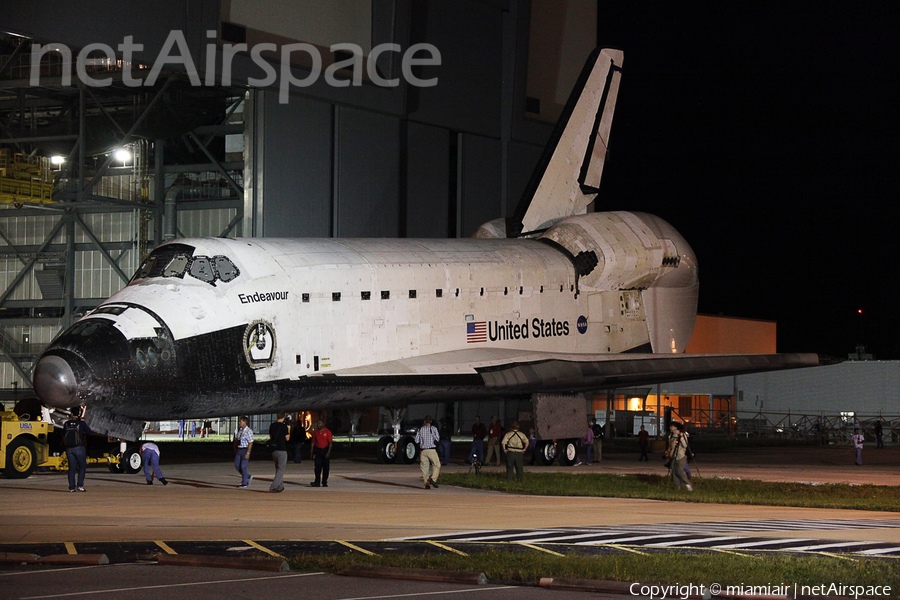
(676, 456)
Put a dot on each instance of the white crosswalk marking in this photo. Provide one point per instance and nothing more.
(768, 542)
(720, 538)
(629, 539)
(880, 550)
(737, 534)
(831, 545)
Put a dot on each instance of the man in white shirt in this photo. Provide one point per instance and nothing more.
(858, 440)
(427, 438)
(150, 456)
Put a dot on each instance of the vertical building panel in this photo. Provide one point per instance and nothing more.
(290, 186)
(427, 181)
(481, 175)
(366, 174)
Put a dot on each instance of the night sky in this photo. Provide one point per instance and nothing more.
(767, 134)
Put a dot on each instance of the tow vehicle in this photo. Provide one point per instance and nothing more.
(26, 445)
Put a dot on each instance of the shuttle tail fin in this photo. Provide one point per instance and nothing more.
(567, 177)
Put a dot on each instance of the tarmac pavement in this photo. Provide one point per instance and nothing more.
(203, 512)
(369, 501)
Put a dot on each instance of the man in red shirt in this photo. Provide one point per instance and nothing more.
(494, 433)
(644, 441)
(321, 453)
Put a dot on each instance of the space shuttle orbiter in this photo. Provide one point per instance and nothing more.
(552, 303)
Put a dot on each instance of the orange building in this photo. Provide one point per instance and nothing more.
(730, 335)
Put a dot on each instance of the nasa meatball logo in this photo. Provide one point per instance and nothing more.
(582, 324)
(259, 344)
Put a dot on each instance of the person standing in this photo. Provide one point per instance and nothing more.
(494, 433)
(150, 457)
(446, 432)
(75, 439)
(858, 440)
(298, 437)
(532, 444)
(478, 433)
(677, 456)
(322, 441)
(644, 441)
(879, 433)
(588, 442)
(427, 438)
(243, 444)
(514, 444)
(598, 439)
(278, 437)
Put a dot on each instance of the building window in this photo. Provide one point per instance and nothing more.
(385, 295)
(305, 297)
(366, 295)
(335, 296)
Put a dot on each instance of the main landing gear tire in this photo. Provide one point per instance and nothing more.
(20, 459)
(544, 453)
(407, 451)
(387, 450)
(132, 461)
(568, 452)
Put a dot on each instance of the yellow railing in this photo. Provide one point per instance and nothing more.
(24, 178)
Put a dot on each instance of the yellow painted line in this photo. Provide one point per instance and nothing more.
(264, 549)
(357, 548)
(533, 547)
(833, 555)
(729, 552)
(448, 548)
(70, 548)
(626, 548)
(165, 547)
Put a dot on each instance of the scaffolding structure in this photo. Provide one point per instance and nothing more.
(72, 230)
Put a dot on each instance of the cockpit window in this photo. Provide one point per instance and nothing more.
(225, 269)
(176, 266)
(201, 268)
(110, 310)
(145, 268)
(174, 260)
(159, 259)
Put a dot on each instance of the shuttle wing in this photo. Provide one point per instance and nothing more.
(519, 371)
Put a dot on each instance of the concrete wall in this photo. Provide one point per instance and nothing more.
(868, 387)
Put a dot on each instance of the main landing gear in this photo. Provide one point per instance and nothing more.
(396, 447)
(130, 461)
(548, 451)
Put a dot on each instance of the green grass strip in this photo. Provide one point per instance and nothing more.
(513, 566)
(709, 490)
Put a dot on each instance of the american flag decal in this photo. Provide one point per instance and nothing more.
(476, 332)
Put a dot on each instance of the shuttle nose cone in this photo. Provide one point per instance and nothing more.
(54, 382)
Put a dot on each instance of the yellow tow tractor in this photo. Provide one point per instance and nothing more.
(25, 446)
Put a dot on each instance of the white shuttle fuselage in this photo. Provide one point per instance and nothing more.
(318, 306)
